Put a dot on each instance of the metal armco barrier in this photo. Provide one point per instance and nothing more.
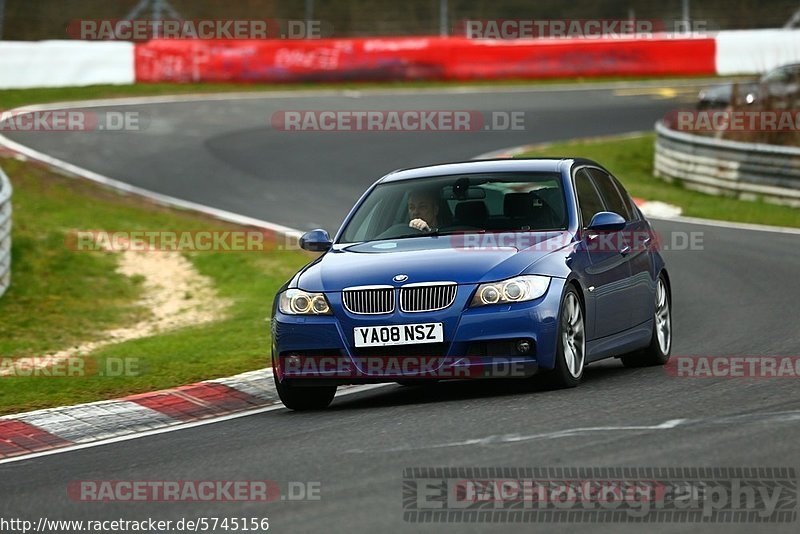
(721, 167)
(5, 232)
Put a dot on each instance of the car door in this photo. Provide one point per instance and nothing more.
(638, 241)
(607, 275)
(792, 89)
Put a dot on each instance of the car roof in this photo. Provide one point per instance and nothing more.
(787, 66)
(486, 166)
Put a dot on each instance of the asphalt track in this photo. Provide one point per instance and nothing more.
(736, 296)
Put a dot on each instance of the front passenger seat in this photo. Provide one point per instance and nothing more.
(527, 211)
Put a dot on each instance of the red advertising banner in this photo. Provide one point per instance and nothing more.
(418, 58)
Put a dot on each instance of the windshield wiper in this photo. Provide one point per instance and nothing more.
(435, 233)
(453, 232)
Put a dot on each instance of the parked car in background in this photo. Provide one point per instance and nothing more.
(780, 84)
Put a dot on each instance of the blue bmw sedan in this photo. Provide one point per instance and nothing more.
(495, 268)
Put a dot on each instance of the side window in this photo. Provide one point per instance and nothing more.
(608, 190)
(588, 198)
(627, 199)
(777, 76)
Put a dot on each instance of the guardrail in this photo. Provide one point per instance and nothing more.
(721, 167)
(5, 232)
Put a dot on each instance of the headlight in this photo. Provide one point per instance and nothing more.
(516, 289)
(299, 302)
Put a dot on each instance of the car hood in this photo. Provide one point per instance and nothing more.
(464, 260)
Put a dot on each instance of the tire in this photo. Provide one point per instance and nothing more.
(305, 398)
(658, 352)
(571, 345)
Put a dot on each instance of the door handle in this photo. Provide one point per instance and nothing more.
(625, 251)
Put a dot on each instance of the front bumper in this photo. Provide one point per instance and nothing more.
(478, 342)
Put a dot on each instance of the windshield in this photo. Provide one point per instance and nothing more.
(494, 202)
(785, 74)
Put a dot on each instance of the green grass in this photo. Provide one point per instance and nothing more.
(631, 160)
(11, 98)
(60, 297)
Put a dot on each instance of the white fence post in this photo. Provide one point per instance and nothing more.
(5, 232)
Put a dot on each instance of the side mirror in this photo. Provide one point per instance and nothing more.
(606, 221)
(315, 241)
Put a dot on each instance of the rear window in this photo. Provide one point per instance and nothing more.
(589, 201)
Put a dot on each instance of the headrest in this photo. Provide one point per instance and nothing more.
(471, 211)
(518, 205)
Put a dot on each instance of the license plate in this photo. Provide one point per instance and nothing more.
(403, 334)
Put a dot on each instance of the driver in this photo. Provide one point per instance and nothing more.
(423, 210)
